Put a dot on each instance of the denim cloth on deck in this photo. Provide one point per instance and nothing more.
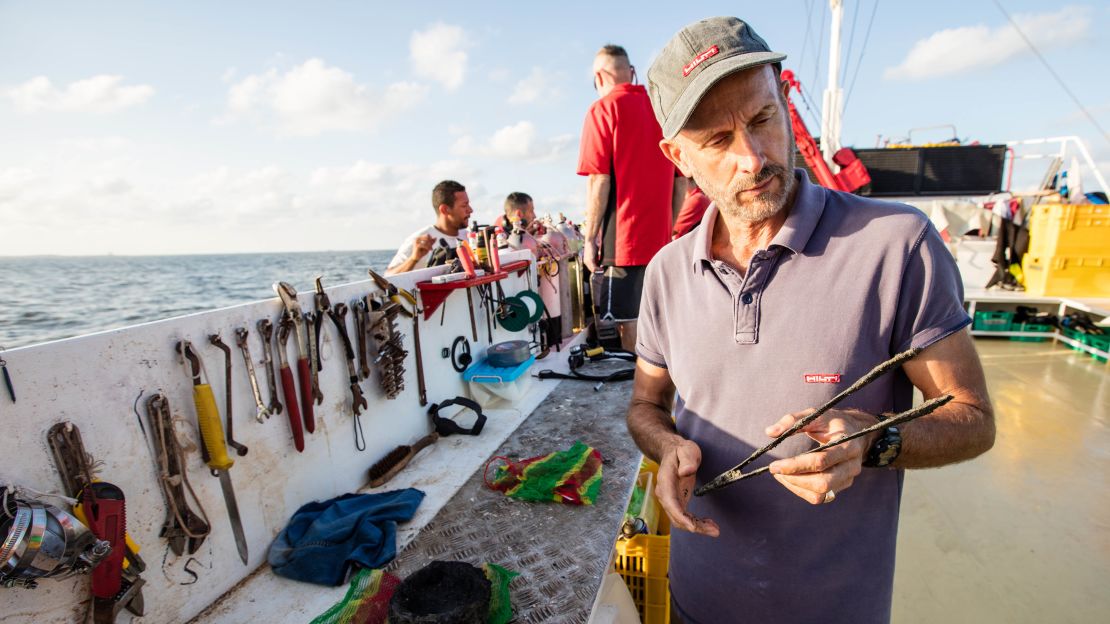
(324, 538)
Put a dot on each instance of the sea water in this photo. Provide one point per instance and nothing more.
(44, 298)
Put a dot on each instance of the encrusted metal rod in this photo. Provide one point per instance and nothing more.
(874, 374)
(927, 407)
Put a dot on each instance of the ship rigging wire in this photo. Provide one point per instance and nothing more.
(862, 52)
(1059, 80)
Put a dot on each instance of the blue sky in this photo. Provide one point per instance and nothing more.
(201, 127)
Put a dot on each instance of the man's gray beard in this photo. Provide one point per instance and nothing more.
(765, 205)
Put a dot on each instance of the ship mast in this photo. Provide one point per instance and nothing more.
(831, 110)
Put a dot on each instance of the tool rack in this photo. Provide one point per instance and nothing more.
(433, 295)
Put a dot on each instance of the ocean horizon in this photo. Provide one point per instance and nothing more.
(50, 297)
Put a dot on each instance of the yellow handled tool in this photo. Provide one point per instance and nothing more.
(212, 433)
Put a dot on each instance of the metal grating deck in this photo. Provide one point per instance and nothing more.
(560, 551)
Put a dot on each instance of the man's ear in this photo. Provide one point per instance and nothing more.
(443, 209)
(673, 151)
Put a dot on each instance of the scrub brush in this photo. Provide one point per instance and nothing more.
(387, 467)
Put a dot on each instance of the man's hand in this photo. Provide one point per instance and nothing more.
(674, 484)
(422, 245)
(589, 256)
(813, 475)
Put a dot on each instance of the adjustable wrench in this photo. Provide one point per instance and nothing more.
(287, 384)
(310, 325)
(288, 296)
(241, 340)
(266, 332)
(219, 344)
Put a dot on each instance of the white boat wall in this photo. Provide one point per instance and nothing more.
(101, 382)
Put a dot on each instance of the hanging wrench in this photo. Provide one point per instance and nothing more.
(219, 344)
(241, 340)
(310, 325)
(338, 315)
(323, 304)
(287, 383)
(361, 312)
(266, 332)
(288, 296)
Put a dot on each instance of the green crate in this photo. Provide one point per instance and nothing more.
(1030, 327)
(993, 321)
(1100, 342)
(1074, 335)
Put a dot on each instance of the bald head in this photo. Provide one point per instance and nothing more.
(611, 68)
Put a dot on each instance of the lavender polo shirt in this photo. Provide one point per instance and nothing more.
(845, 284)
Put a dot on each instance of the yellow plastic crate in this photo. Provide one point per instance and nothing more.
(1069, 230)
(642, 562)
(1067, 276)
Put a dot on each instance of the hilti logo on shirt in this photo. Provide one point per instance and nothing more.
(699, 59)
(831, 378)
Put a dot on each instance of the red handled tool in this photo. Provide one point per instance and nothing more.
(304, 370)
(105, 512)
(287, 387)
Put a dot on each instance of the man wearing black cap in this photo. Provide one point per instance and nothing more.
(784, 295)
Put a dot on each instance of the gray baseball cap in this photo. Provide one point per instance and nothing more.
(694, 60)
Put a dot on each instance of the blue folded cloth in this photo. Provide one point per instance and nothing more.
(323, 539)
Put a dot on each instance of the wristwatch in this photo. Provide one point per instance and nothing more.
(885, 449)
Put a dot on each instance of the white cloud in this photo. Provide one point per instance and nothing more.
(537, 85)
(98, 94)
(439, 53)
(88, 207)
(958, 50)
(313, 98)
(515, 142)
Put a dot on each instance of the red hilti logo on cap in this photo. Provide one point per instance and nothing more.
(699, 59)
(823, 378)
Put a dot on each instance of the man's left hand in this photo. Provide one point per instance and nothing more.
(813, 476)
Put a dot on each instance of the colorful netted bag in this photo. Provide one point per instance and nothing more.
(366, 602)
(572, 476)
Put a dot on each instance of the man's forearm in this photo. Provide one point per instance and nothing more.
(652, 428)
(597, 196)
(956, 432)
(404, 267)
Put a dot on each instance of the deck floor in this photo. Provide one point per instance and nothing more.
(1021, 534)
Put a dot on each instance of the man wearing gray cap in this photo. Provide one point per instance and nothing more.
(784, 295)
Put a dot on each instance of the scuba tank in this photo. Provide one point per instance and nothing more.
(554, 239)
(574, 242)
(521, 239)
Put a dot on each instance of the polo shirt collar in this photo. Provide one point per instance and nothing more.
(626, 87)
(809, 205)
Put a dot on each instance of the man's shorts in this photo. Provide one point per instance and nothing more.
(616, 292)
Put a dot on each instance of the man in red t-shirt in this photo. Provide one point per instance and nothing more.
(631, 193)
(693, 209)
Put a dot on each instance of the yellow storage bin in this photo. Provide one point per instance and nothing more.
(642, 562)
(1067, 276)
(1069, 230)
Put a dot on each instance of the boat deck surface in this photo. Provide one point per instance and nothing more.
(1021, 534)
